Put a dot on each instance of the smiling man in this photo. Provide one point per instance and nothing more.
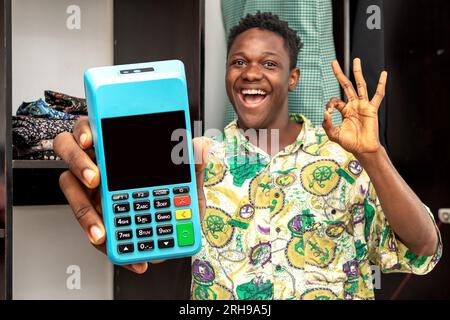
(301, 217)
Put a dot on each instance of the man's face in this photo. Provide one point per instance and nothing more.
(258, 78)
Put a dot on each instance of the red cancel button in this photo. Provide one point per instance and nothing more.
(182, 201)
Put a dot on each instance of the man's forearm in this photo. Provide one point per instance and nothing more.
(403, 209)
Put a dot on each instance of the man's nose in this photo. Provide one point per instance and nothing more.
(252, 73)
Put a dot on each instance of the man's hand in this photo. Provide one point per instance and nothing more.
(201, 151)
(80, 184)
(358, 132)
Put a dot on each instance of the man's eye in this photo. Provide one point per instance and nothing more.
(269, 64)
(238, 62)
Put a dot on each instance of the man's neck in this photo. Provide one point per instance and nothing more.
(276, 136)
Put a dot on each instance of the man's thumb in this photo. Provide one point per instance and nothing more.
(201, 151)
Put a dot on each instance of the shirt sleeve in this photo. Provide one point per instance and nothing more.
(385, 249)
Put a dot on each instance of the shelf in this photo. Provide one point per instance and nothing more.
(36, 182)
(39, 164)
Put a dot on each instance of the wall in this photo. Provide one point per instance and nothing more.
(46, 54)
(53, 259)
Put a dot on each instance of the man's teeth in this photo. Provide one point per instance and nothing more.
(253, 91)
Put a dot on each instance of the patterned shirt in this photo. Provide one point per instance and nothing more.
(303, 224)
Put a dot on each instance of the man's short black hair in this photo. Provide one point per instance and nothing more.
(270, 22)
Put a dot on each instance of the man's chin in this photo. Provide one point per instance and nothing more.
(251, 118)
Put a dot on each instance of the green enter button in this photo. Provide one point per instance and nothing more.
(185, 234)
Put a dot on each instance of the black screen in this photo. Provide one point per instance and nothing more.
(138, 150)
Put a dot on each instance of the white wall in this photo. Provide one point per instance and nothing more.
(53, 259)
(215, 58)
(46, 54)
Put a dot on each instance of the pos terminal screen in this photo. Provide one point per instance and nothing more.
(139, 150)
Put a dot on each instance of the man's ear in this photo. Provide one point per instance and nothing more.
(293, 78)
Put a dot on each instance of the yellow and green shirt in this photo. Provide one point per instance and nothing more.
(303, 224)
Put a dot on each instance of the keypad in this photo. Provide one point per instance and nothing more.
(144, 232)
(141, 205)
(121, 207)
(182, 201)
(163, 216)
(183, 214)
(166, 243)
(124, 235)
(122, 221)
(160, 192)
(125, 248)
(180, 190)
(146, 246)
(120, 197)
(143, 219)
(161, 203)
(151, 219)
(185, 234)
(140, 194)
(164, 230)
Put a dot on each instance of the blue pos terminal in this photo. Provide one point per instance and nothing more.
(139, 117)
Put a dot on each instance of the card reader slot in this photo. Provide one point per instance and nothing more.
(139, 70)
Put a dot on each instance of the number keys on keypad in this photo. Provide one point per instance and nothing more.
(144, 232)
(146, 245)
(141, 205)
(122, 221)
(163, 216)
(162, 200)
(143, 219)
(161, 203)
(121, 207)
(163, 230)
(124, 235)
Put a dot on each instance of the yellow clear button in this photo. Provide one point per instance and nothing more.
(183, 214)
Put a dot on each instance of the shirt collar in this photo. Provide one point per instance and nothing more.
(309, 139)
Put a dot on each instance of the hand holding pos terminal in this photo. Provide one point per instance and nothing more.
(139, 117)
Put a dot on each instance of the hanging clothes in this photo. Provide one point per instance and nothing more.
(40, 109)
(43, 145)
(27, 131)
(39, 155)
(65, 103)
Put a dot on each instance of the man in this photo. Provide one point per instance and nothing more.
(293, 217)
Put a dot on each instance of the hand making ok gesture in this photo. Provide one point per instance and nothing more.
(358, 132)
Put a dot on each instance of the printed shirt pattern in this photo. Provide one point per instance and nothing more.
(304, 224)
